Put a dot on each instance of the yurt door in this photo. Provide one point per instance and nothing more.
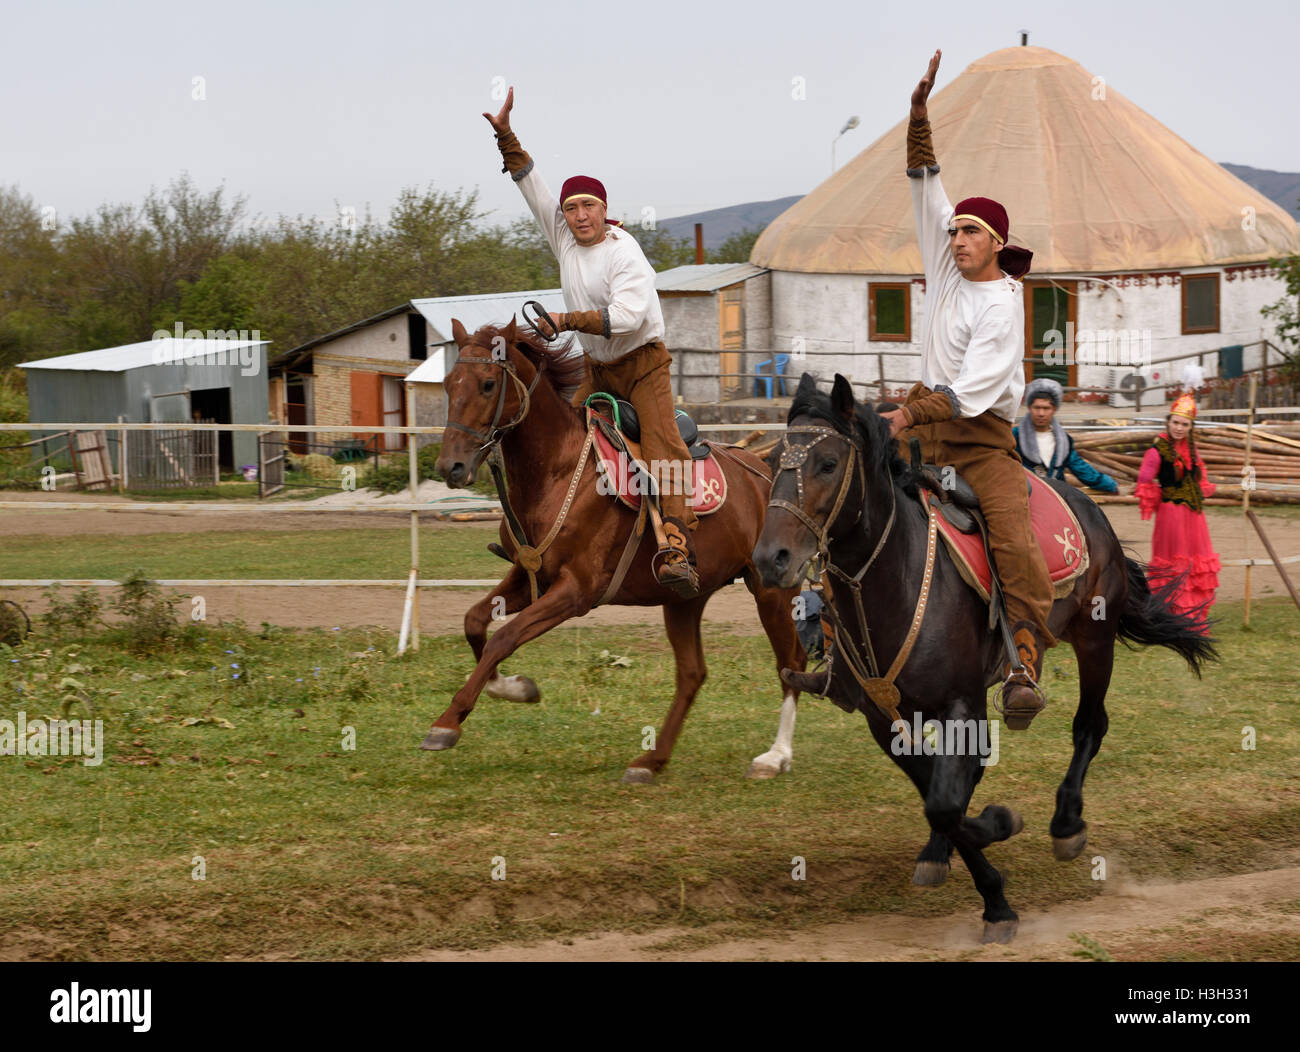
(1050, 313)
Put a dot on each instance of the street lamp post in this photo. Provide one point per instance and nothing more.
(849, 125)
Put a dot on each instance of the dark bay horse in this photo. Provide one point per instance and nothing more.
(506, 389)
(846, 478)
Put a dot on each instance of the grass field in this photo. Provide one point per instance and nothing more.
(315, 850)
(364, 552)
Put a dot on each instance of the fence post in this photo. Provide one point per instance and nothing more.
(1245, 496)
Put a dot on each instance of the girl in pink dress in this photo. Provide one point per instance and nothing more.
(1172, 483)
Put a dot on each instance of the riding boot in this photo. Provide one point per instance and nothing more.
(1022, 698)
(675, 566)
(817, 683)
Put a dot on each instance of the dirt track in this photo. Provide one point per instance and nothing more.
(1130, 921)
(442, 612)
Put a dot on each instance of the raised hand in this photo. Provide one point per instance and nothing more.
(922, 92)
(501, 122)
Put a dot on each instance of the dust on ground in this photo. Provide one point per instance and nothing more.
(1129, 921)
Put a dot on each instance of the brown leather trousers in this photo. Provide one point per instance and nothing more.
(642, 377)
(982, 449)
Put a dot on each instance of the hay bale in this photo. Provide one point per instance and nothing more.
(317, 465)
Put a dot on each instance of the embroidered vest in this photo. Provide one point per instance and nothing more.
(1184, 490)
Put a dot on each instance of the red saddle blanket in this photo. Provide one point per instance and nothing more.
(707, 487)
(1058, 532)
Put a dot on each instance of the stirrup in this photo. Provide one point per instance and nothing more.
(665, 566)
(1018, 677)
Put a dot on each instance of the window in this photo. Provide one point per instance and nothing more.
(1200, 303)
(889, 309)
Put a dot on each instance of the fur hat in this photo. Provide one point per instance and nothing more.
(1044, 387)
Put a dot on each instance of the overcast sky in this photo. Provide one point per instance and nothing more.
(678, 106)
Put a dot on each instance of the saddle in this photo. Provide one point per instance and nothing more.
(961, 525)
(616, 434)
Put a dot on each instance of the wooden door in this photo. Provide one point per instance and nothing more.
(1051, 309)
(731, 338)
(367, 402)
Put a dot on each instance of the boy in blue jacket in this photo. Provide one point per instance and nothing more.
(1044, 446)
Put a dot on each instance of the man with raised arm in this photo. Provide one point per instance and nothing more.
(972, 379)
(609, 288)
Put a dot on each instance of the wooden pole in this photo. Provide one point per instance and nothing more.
(414, 464)
(1245, 495)
(1273, 555)
(121, 459)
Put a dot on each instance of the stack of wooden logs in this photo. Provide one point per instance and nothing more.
(1274, 459)
(1274, 455)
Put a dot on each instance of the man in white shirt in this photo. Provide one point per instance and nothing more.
(609, 288)
(972, 379)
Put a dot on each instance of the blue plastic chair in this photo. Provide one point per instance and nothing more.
(778, 373)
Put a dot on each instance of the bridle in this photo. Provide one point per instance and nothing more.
(491, 436)
(527, 556)
(880, 689)
(792, 458)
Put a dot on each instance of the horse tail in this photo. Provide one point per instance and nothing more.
(1148, 621)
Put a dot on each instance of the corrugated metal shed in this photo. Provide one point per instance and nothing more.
(132, 382)
(705, 277)
(138, 355)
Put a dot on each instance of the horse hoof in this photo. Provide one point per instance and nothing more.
(1000, 931)
(638, 776)
(440, 738)
(513, 688)
(1017, 823)
(930, 874)
(1068, 847)
(768, 766)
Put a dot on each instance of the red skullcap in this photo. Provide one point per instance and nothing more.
(585, 186)
(993, 218)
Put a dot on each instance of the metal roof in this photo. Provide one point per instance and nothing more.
(139, 355)
(705, 277)
(476, 311)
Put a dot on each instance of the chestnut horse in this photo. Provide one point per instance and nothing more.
(857, 509)
(508, 389)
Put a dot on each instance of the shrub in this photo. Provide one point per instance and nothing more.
(80, 613)
(150, 620)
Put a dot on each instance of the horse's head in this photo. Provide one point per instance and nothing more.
(485, 397)
(818, 482)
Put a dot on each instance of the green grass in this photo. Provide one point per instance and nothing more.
(313, 850)
(237, 553)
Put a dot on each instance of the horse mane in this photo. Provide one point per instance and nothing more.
(881, 457)
(561, 369)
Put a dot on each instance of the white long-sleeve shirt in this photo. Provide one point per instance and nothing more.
(613, 277)
(973, 334)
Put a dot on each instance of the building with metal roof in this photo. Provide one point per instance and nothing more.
(158, 381)
(354, 376)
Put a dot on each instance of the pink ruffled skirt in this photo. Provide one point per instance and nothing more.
(1181, 544)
